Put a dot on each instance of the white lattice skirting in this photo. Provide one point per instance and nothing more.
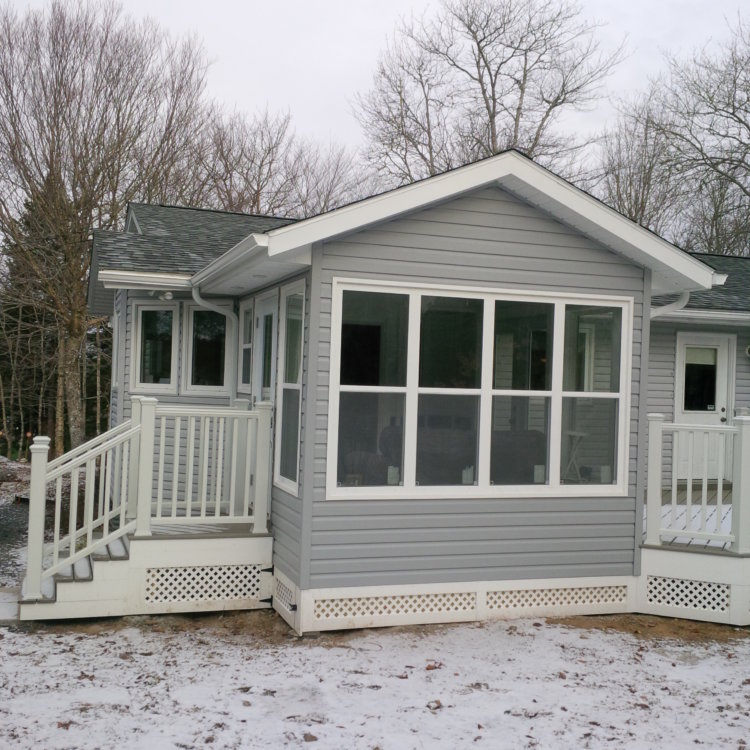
(401, 605)
(705, 596)
(202, 584)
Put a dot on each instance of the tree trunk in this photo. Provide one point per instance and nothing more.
(71, 375)
(60, 404)
(98, 381)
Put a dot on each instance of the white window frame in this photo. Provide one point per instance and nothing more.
(245, 306)
(284, 483)
(187, 351)
(135, 365)
(555, 486)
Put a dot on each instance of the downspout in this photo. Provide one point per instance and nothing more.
(678, 304)
(231, 314)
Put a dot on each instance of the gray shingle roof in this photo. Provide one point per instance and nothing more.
(172, 239)
(733, 296)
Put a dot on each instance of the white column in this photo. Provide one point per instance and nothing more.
(37, 502)
(133, 450)
(263, 469)
(653, 491)
(240, 451)
(741, 487)
(145, 467)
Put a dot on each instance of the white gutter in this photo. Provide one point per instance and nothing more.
(239, 252)
(678, 304)
(143, 280)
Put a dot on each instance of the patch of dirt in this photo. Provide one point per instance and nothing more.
(649, 627)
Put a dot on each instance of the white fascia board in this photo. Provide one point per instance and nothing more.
(646, 248)
(241, 251)
(706, 316)
(143, 280)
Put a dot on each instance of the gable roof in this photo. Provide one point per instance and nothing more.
(225, 253)
(673, 270)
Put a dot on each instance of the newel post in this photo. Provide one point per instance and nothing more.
(741, 486)
(263, 468)
(37, 502)
(653, 490)
(133, 450)
(145, 467)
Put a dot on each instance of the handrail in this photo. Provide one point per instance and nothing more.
(88, 445)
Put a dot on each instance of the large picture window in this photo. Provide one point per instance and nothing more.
(444, 392)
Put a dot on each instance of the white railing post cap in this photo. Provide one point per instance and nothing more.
(41, 443)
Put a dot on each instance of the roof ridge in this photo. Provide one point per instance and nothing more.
(214, 211)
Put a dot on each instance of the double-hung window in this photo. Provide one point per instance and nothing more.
(476, 393)
(289, 387)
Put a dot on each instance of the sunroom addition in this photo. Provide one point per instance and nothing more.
(443, 391)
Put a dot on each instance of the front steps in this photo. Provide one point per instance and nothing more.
(168, 573)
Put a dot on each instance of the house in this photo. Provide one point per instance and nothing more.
(427, 406)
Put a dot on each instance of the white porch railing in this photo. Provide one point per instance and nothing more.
(702, 503)
(165, 465)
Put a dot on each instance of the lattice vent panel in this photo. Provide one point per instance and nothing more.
(283, 595)
(411, 604)
(202, 584)
(563, 597)
(678, 592)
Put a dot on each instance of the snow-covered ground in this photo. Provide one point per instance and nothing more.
(243, 681)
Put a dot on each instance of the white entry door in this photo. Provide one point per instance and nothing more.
(264, 349)
(703, 396)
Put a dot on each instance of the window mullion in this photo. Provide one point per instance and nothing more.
(411, 407)
(555, 417)
(485, 399)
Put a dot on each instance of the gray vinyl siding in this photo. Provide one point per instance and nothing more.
(487, 239)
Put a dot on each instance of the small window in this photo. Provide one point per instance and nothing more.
(700, 378)
(246, 347)
(155, 361)
(289, 387)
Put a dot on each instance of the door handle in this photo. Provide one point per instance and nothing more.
(723, 419)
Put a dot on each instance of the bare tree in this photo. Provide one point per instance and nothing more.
(706, 110)
(95, 110)
(259, 165)
(638, 176)
(480, 77)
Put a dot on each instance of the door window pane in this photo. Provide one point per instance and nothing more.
(373, 338)
(589, 441)
(293, 340)
(519, 451)
(209, 332)
(592, 348)
(371, 439)
(156, 346)
(523, 345)
(289, 433)
(450, 345)
(447, 439)
(700, 378)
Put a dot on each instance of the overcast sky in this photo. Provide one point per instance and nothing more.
(311, 56)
